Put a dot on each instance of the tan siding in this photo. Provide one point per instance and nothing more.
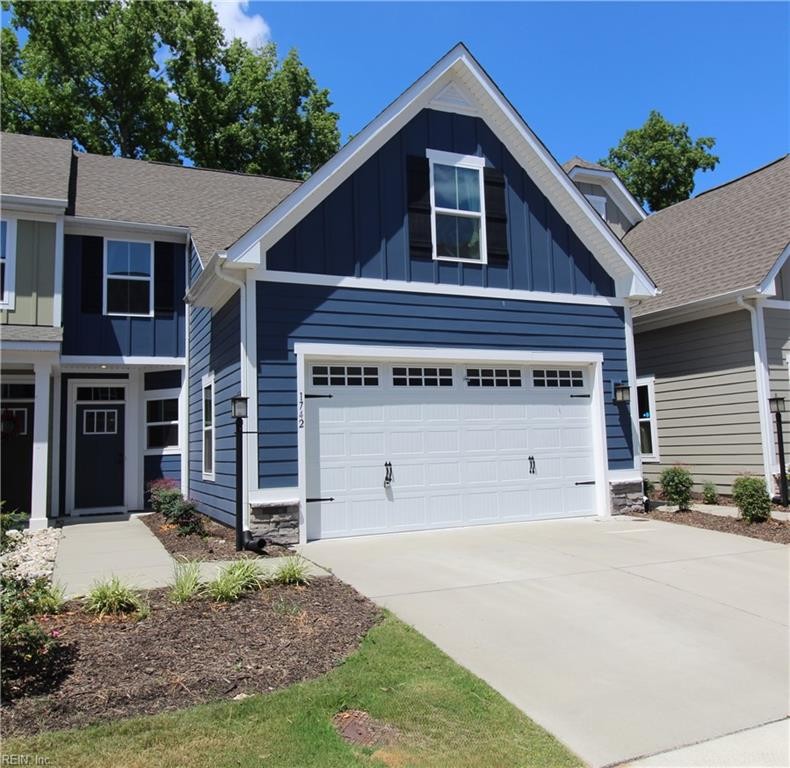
(615, 218)
(35, 274)
(777, 342)
(706, 398)
(783, 282)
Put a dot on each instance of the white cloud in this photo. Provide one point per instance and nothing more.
(233, 18)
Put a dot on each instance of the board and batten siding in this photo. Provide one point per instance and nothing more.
(214, 347)
(777, 342)
(34, 284)
(93, 333)
(290, 313)
(361, 229)
(615, 218)
(706, 398)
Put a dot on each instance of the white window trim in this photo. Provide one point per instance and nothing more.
(599, 203)
(459, 161)
(162, 394)
(94, 411)
(650, 383)
(8, 299)
(208, 381)
(106, 277)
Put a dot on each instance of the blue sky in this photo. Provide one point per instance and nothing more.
(579, 73)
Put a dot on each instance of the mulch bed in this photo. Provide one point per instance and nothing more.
(771, 530)
(219, 543)
(181, 655)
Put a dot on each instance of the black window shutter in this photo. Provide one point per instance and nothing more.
(419, 205)
(164, 278)
(496, 216)
(92, 275)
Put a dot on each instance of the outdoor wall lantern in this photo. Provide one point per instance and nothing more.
(622, 392)
(777, 405)
(238, 407)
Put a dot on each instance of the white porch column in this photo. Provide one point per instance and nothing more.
(39, 491)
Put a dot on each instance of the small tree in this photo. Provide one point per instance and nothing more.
(657, 162)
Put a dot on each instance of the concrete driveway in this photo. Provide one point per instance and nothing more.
(622, 637)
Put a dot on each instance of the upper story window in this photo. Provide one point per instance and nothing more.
(648, 425)
(7, 263)
(128, 278)
(457, 206)
(599, 203)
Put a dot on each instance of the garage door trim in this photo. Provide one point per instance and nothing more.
(307, 353)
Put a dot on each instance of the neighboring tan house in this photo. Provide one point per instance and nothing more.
(715, 345)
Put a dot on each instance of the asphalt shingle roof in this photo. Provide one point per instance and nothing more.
(723, 240)
(217, 206)
(580, 162)
(33, 166)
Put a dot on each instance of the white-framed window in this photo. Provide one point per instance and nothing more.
(345, 375)
(646, 415)
(557, 377)
(100, 421)
(493, 377)
(128, 277)
(208, 414)
(7, 263)
(161, 421)
(458, 220)
(414, 376)
(599, 203)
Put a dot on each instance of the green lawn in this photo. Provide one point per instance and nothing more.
(446, 718)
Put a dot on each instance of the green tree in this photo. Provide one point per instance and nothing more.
(657, 162)
(158, 80)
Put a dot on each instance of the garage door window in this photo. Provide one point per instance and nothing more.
(557, 378)
(422, 377)
(493, 377)
(345, 376)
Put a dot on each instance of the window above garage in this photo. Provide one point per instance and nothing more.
(557, 377)
(345, 375)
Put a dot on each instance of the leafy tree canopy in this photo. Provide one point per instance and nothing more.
(158, 80)
(657, 162)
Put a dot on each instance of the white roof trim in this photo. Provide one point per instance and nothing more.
(52, 204)
(458, 67)
(616, 189)
(767, 285)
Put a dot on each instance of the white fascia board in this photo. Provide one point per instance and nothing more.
(81, 224)
(373, 352)
(29, 346)
(767, 285)
(614, 187)
(29, 203)
(549, 176)
(148, 362)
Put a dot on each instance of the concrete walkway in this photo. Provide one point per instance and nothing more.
(623, 638)
(99, 548)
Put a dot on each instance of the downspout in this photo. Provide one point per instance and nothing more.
(243, 534)
(766, 431)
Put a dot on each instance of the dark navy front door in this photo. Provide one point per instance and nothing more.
(99, 456)
(16, 453)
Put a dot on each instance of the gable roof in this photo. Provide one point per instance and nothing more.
(456, 83)
(216, 206)
(36, 167)
(726, 239)
(580, 162)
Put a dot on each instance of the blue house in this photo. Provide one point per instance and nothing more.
(434, 330)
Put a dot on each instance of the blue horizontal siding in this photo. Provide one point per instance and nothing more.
(288, 313)
(214, 348)
(361, 229)
(95, 334)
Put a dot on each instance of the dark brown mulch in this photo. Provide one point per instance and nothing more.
(196, 652)
(360, 728)
(771, 530)
(219, 543)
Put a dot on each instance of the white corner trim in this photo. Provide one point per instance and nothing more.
(527, 148)
(249, 367)
(375, 284)
(767, 285)
(630, 356)
(41, 417)
(208, 381)
(8, 301)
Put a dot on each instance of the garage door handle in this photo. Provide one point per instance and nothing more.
(387, 473)
(586, 482)
(325, 498)
(532, 465)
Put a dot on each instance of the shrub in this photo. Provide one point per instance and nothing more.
(187, 519)
(234, 580)
(709, 495)
(13, 520)
(165, 497)
(112, 596)
(752, 498)
(293, 570)
(186, 582)
(676, 482)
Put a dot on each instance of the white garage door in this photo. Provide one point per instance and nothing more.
(410, 446)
